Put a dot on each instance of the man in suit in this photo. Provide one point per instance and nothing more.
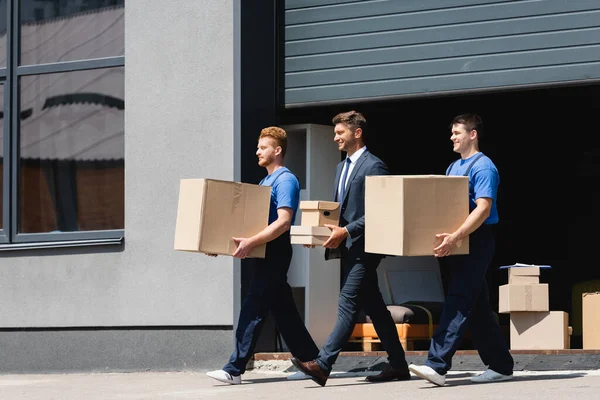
(360, 286)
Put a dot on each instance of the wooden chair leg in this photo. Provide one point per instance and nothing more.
(404, 344)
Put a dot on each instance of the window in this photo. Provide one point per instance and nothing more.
(59, 30)
(62, 137)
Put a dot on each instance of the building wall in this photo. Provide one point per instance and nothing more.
(179, 123)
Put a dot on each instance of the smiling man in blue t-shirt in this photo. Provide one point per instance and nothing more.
(467, 303)
(269, 290)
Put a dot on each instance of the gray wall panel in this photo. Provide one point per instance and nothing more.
(486, 29)
(439, 51)
(339, 51)
(437, 84)
(447, 66)
(373, 8)
(515, 9)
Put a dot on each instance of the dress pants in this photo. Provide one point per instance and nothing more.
(269, 291)
(360, 289)
(467, 305)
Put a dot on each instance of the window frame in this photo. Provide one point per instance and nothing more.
(10, 76)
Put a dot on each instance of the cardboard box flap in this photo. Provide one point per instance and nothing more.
(299, 230)
(319, 205)
(590, 294)
(524, 271)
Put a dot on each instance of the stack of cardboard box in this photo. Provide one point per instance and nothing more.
(532, 325)
(315, 215)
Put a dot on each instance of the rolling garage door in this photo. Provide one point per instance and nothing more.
(340, 51)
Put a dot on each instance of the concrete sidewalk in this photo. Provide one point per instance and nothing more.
(563, 385)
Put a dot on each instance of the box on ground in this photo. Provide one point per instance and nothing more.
(319, 213)
(403, 213)
(211, 212)
(523, 298)
(539, 330)
(315, 235)
(591, 322)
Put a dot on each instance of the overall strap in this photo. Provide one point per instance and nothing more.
(477, 157)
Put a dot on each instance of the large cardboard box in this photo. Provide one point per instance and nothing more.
(519, 298)
(403, 213)
(314, 235)
(591, 322)
(539, 330)
(319, 213)
(211, 212)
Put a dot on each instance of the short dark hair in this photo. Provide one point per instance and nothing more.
(353, 119)
(471, 122)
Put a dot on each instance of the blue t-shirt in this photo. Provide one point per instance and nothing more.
(285, 192)
(483, 181)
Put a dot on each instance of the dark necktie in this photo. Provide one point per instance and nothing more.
(344, 176)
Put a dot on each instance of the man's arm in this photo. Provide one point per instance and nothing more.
(271, 232)
(475, 219)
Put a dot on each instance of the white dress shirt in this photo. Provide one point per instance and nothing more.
(353, 158)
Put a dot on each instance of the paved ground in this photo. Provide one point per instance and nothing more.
(563, 385)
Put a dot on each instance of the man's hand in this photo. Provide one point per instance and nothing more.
(244, 247)
(338, 235)
(446, 242)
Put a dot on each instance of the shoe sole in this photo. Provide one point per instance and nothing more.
(224, 380)
(422, 376)
(503, 379)
(300, 368)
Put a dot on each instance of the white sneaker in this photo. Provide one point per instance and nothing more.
(427, 373)
(298, 376)
(490, 376)
(224, 377)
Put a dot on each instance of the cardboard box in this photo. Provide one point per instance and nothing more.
(523, 275)
(403, 213)
(514, 298)
(211, 212)
(319, 213)
(591, 322)
(315, 235)
(539, 330)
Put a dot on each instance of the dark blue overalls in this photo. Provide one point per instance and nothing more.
(467, 305)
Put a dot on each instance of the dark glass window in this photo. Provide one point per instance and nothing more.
(3, 36)
(68, 30)
(71, 166)
(2, 155)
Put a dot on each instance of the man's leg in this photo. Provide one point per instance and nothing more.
(467, 278)
(290, 324)
(348, 309)
(255, 307)
(383, 323)
(487, 336)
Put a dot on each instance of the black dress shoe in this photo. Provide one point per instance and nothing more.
(389, 374)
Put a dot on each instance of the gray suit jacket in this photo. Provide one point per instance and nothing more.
(352, 213)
